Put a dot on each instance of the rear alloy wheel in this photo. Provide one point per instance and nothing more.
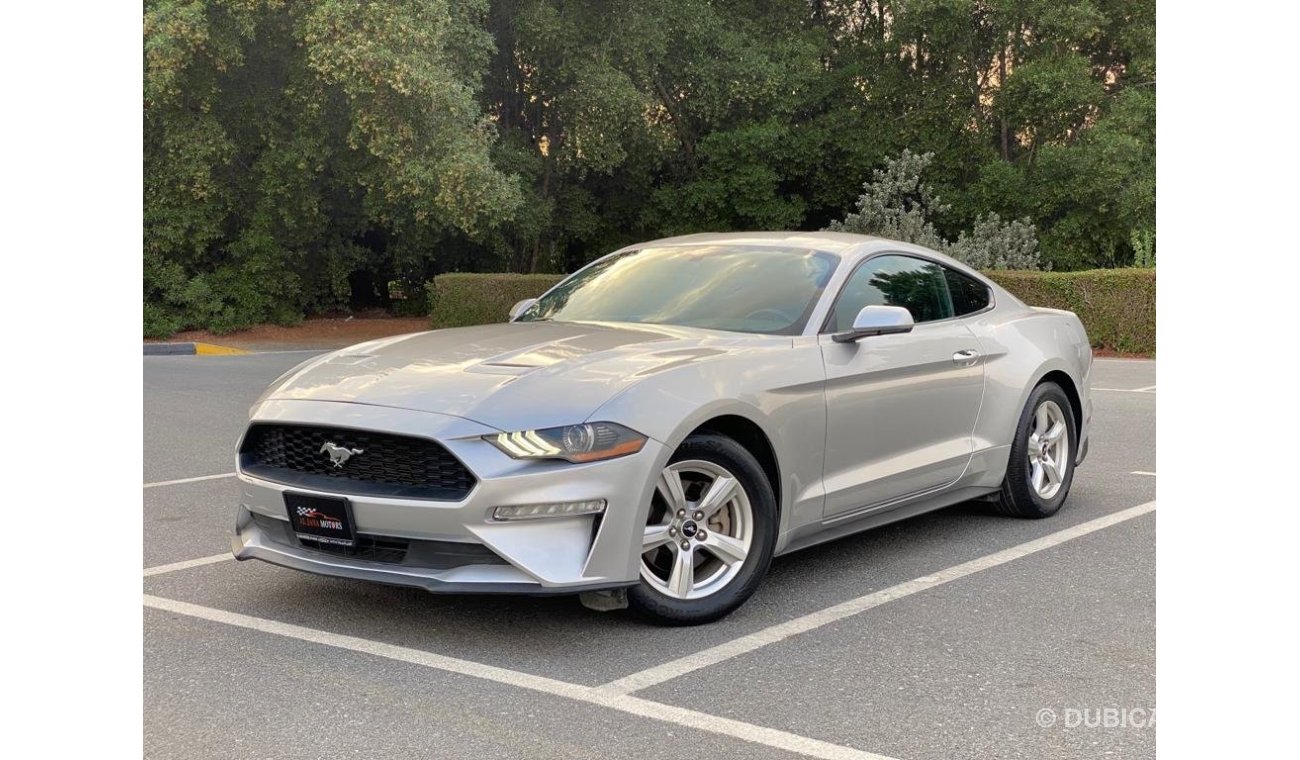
(709, 535)
(1041, 467)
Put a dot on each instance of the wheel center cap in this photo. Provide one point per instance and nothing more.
(689, 529)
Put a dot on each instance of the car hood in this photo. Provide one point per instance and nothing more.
(508, 376)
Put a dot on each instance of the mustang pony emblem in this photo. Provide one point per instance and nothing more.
(339, 455)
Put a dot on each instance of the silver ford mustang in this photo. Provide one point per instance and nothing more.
(653, 430)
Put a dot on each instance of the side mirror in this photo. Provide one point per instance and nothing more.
(876, 320)
(521, 307)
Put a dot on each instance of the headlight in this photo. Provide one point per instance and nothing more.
(587, 442)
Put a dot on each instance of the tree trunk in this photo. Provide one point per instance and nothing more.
(1002, 86)
(546, 189)
(683, 131)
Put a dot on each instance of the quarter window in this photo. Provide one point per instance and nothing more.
(969, 295)
(893, 280)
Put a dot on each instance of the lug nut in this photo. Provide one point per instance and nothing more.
(699, 515)
(681, 513)
(701, 536)
(686, 544)
(672, 531)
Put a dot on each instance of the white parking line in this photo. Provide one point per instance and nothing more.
(1151, 390)
(189, 480)
(644, 708)
(1144, 390)
(1141, 472)
(187, 564)
(781, 631)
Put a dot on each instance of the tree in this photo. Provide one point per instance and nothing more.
(299, 156)
(738, 115)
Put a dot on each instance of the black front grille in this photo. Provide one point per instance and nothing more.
(385, 465)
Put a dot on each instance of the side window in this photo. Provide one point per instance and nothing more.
(893, 280)
(969, 295)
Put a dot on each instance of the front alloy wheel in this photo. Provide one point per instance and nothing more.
(709, 534)
(699, 532)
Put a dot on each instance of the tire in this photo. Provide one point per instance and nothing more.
(1020, 497)
(748, 517)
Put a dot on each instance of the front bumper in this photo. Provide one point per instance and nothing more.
(455, 546)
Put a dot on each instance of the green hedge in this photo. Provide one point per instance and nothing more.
(1118, 306)
(462, 298)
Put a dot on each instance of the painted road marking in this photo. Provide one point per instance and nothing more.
(782, 631)
(189, 480)
(212, 349)
(1151, 390)
(187, 564)
(1141, 472)
(644, 708)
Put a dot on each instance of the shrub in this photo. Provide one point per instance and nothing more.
(995, 244)
(897, 203)
(1144, 247)
(1117, 306)
(160, 322)
(257, 288)
(462, 298)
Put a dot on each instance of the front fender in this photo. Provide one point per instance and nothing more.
(780, 390)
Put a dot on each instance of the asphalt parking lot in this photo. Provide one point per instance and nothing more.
(958, 634)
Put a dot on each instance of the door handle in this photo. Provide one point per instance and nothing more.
(965, 357)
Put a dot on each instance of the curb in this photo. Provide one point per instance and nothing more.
(191, 349)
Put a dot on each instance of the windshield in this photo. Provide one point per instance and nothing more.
(754, 289)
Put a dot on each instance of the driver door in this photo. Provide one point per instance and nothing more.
(901, 408)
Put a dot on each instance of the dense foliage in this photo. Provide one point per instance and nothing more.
(301, 156)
